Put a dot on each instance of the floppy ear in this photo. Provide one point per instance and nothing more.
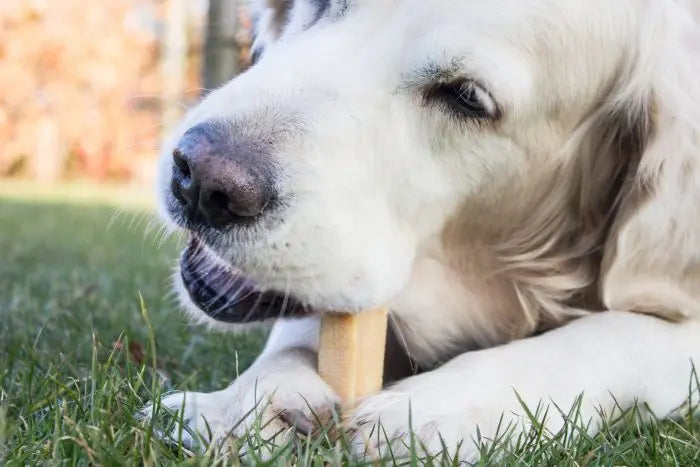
(651, 261)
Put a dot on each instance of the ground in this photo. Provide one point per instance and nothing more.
(89, 333)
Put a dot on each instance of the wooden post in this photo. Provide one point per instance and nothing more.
(351, 353)
(221, 50)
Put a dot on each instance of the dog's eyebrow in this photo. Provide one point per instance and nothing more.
(433, 72)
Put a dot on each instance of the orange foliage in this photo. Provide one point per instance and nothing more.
(80, 84)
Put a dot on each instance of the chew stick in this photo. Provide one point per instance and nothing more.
(351, 353)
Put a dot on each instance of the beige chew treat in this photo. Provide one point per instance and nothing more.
(351, 353)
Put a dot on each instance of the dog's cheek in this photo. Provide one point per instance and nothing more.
(357, 269)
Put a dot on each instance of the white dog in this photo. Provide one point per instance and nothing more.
(518, 179)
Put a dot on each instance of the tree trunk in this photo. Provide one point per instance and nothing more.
(221, 51)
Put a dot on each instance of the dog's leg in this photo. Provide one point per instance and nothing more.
(279, 390)
(609, 358)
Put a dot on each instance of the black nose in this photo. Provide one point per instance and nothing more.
(218, 180)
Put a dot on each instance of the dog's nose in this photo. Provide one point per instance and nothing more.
(218, 181)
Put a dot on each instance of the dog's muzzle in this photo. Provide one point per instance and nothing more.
(225, 294)
(220, 179)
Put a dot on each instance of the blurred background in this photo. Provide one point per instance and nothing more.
(90, 87)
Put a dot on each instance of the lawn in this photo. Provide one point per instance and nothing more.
(77, 261)
(89, 333)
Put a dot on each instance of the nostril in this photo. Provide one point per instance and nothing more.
(181, 163)
(218, 180)
(219, 200)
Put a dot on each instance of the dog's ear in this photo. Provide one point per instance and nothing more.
(269, 18)
(651, 260)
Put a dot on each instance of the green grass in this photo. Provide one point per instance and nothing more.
(88, 334)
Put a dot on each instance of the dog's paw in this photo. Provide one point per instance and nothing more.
(386, 425)
(275, 398)
(199, 412)
(415, 417)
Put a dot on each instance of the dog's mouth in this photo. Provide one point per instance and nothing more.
(225, 294)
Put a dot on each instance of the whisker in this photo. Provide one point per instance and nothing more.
(404, 343)
(252, 310)
(285, 297)
(119, 212)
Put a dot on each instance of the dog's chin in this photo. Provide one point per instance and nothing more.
(224, 294)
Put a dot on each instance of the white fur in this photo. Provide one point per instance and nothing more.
(478, 235)
(612, 359)
(280, 387)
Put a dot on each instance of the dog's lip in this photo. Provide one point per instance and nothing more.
(225, 294)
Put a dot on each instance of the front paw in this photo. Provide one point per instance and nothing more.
(261, 410)
(414, 418)
(386, 426)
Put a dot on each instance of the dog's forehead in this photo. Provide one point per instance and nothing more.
(472, 13)
(538, 27)
(495, 40)
(531, 55)
(540, 40)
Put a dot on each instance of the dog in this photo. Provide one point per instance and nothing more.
(519, 181)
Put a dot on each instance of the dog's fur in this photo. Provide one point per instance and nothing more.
(576, 199)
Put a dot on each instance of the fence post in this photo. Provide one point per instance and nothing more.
(221, 50)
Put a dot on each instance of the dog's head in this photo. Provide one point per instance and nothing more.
(368, 134)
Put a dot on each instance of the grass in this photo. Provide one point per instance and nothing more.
(88, 334)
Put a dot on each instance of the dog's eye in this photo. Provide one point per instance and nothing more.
(465, 98)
